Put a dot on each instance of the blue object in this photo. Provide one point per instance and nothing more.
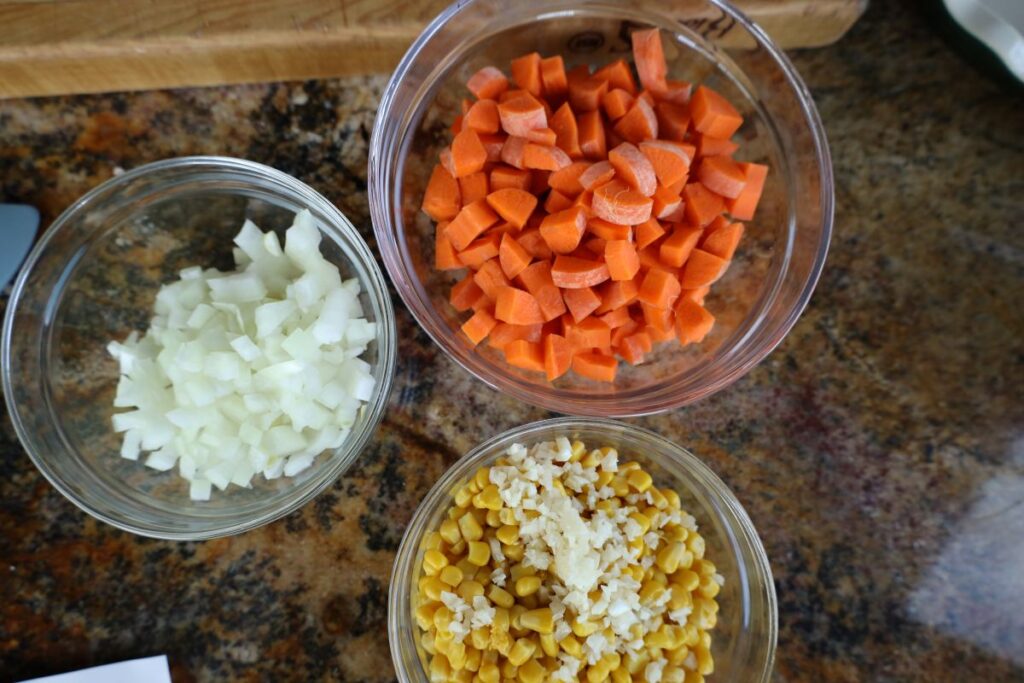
(18, 226)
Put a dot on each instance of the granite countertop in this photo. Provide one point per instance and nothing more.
(879, 450)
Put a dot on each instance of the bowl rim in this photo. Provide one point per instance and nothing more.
(386, 338)
(488, 372)
(437, 494)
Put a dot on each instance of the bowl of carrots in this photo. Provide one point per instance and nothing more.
(601, 209)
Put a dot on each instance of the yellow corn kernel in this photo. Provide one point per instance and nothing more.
(642, 520)
(472, 660)
(451, 575)
(488, 498)
(539, 620)
(650, 590)
(458, 549)
(434, 587)
(636, 663)
(636, 572)
(518, 570)
(559, 486)
(489, 673)
(621, 675)
(432, 541)
(673, 499)
(597, 673)
(514, 615)
(692, 634)
(433, 562)
(427, 641)
(639, 480)
(570, 645)
(482, 477)
(470, 528)
(674, 532)
(480, 638)
(620, 486)
(709, 621)
(661, 639)
(708, 588)
(502, 642)
(577, 450)
(584, 628)
(677, 656)
(442, 618)
(668, 557)
(660, 501)
(531, 672)
(493, 519)
(439, 669)
(705, 640)
(528, 585)
(466, 567)
(425, 614)
(638, 544)
(603, 479)
(673, 674)
(686, 560)
(478, 553)
(508, 671)
(695, 544)
(464, 496)
(508, 534)
(514, 552)
(549, 644)
(457, 655)
(463, 676)
(591, 459)
(502, 620)
(469, 589)
(608, 505)
(507, 516)
(705, 665)
(627, 467)
(680, 597)
(612, 660)
(521, 651)
(659, 576)
(653, 514)
(450, 531)
(499, 596)
(693, 677)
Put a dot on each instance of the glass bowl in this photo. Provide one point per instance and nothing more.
(93, 278)
(706, 41)
(743, 644)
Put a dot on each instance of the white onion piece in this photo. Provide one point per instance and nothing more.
(255, 371)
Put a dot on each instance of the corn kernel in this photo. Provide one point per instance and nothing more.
(433, 562)
(463, 497)
(442, 617)
(514, 616)
(427, 641)
(493, 519)
(680, 597)
(507, 516)
(539, 620)
(434, 587)
(668, 557)
(639, 480)
(502, 642)
(673, 498)
(514, 552)
(642, 520)
(508, 534)
(636, 663)
(620, 486)
(584, 628)
(597, 673)
(457, 655)
(705, 665)
(502, 619)
(432, 541)
(480, 638)
(472, 660)
(470, 528)
(425, 615)
(675, 532)
(450, 531)
(488, 498)
(479, 553)
(521, 651)
(482, 477)
(439, 669)
(469, 589)
(673, 675)
(708, 588)
(549, 644)
(499, 596)
(621, 675)
(661, 639)
(693, 677)
(695, 544)
(489, 673)
(627, 467)
(528, 585)
(451, 575)
(660, 501)
(650, 591)
(509, 671)
(531, 672)
(612, 660)
(577, 451)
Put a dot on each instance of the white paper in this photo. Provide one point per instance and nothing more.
(147, 670)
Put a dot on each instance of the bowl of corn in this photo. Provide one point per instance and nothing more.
(581, 549)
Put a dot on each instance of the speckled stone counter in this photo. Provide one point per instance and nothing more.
(879, 450)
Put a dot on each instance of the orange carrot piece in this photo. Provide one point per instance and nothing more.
(532, 241)
(598, 174)
(557, 356)
(615, 202)
(570, 272)
(595, 245)
(591, 135)
(472, 220)
(544, 158)
(513, 149)
(708, 146)
(713, 114)
(670, 161)
(567, 180)
(702, 205)
(619, 76)
(609, 231)
(634, 167)
(445, 256)
(617, 293)
(621, 257)
(512, 257)
(677, 92)
(465, 294)
(525, 355)
(487, 83)
(468, 153)
(519, 115)
(456, 126)
(479, 326)
(676, 248)
(505, 177)
(649, 258)
(649, 56)
(660, 322)
(567, 135)
(586, 95)
(493, 142)
(491, 278)
(515, 206)
(542, 136)
(595, 365)
(634, 347)
(581, 302)
(702, 268)
(526, 73)
(659, 289)
(556, 201)
(442, 198)
(695, 295)
(640, 123)
(723, 242)
(473, 187)
(590, 333)
(693, 321)
(563, 230)
(480, 250)
(666, 203)
(616, 103)
(553, 78)
(722, 175)
(504, 334)
(744, 206)
(673, 120)
(536, 279)
(648, 232)
(517, 307)
(483, 117)
(616, 317)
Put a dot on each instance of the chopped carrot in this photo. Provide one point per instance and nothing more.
(563, 230)
(693, 321)
(468, 153)
(615, 202)
(585, 200)
(659, 289)
(591, 135)
(479, 326)
(609, 231)
(702, 268)
(539, 184)
(526, 73)
(487, 83)
(589, 333)
(483, 117)
(651, 258)
(677, 92)
(441, 199)
(465, 294)
(567, 180)
(660, 322)
(670, 161)
(634, 167)
(723, 241)
(586, 95)
(640, 122)
(621, 257)
(635, 347)
(676, 248)
(473, 187)
(505, 333)
(595, 365)
(713, 114)
(515, 206)
(456, 126)
(492, 142)
(553, 78)
(480, 250)
(567, 135)
(744, 206)
(598, 174)
(544, 158)
(666, 203)
(557, 356)
(533, 242)
(536, 279)
(517, 307)
(504, 177)
(557, 201)
(617, 293)
(570, 272)
(512, 256)
(581, 302)
(619, 76)
(616, 103)
(595, 245)
(577, 73)
(519, 115)
(673, 120)
(702, 205)
(722, 175)
(524, 354)
(445, 256)
(491, 278)
(648, 232)
(695, 295)
(708, 146)
(649, 56)
(513, 149)
(471, 220)
(616, 317)
(542, 136)
(631, 327)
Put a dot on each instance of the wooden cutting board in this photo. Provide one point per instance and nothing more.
(50, 47)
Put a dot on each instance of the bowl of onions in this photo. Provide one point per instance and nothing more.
(197, 347)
